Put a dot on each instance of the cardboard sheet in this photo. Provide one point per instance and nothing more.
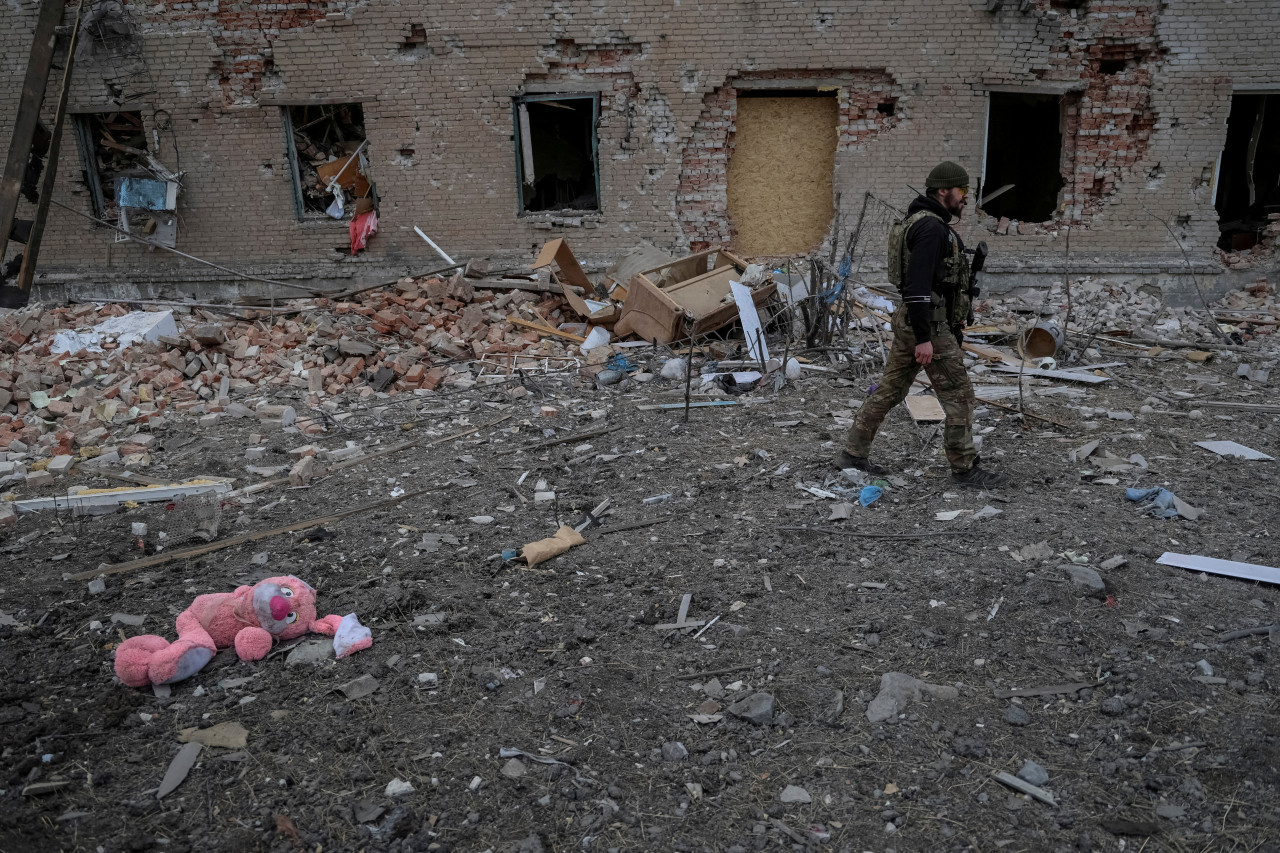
(1230, 568)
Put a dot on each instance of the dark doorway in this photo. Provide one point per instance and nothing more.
(1249, 175)
(556, 152)
(1024, 148)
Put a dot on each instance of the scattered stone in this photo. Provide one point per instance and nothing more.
(794, 794)
(674, 751)
(1033, 774)
(898, 689)
(97, 586)
(398, 787)
(1085, 579)
(513, 769)
(1205, 667)
(1113, 706)
(1016, 715)
(756, 708)
(310, 652)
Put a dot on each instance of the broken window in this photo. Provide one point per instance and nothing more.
(781, 170)
(556, 152)
(1248, 186)
(127, 186)
(112, 146)
(1024, 149)
(328, 155)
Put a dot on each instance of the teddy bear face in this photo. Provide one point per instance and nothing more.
(285, 606)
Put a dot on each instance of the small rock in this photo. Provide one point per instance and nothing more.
(1113, 706)
(1205, 667)
(513, 769)
(1112, 563)
(309, 652)
(1085, 579)
(674, 751)
(1015, 715)
(1033, 774)
(396, 787)
(794, 794)
(756, 708)
(897, 689)
(97, 586)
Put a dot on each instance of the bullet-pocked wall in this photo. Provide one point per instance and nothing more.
(1128, 98)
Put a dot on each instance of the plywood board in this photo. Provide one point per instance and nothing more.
(781, 172)
(925, 409)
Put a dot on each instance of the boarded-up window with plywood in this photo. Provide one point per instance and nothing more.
(781, 171)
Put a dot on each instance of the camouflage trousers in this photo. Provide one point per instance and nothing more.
(950, 382)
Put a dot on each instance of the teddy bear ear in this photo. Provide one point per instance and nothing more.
(309, 587)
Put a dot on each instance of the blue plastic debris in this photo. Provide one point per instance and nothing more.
(869, 495)
(1162, 503)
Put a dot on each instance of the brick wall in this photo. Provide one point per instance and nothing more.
(1150, 83)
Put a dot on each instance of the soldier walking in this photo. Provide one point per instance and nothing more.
(928, 259)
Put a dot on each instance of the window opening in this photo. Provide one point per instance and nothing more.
(328, 153)
(1024, 148)
(556, 152)
(112, 146)
(1249, 177)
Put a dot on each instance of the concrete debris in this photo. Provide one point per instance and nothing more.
(898, 689)
(756, 708)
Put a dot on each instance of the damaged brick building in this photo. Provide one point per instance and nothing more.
(1141, 139)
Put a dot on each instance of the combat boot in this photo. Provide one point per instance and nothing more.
(862, 463)
(978, 477)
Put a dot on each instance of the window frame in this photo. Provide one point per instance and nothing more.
(1063, 94)
(518, 137)
(295, 168)
(89, 156)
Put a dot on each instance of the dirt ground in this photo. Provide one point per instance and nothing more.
(625, 733)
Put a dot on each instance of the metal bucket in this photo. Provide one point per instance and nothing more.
(1040, 341)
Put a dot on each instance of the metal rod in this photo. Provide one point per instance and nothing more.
(144, 241)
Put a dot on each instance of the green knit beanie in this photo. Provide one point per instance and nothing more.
(946, 175)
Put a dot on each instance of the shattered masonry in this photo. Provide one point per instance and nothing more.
(1142, 92)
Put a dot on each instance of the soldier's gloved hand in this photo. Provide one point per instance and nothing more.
(958, 331)
(971, 319)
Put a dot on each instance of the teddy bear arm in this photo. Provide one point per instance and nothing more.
(253, 643)
(327, 626)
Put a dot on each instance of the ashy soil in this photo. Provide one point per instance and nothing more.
(627, 733)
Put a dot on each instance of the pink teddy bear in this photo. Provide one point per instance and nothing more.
(252, 618)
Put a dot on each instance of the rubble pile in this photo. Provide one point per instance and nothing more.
(1102, 306)
(401, 340)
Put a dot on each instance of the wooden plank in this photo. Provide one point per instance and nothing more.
(925, 409)
(544, 330)
(685, 601)
(200, 550)
(1048, 690)
(115, 497)
(1064, 375)
(39, 63)
(1026, 788)
(27, 274)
